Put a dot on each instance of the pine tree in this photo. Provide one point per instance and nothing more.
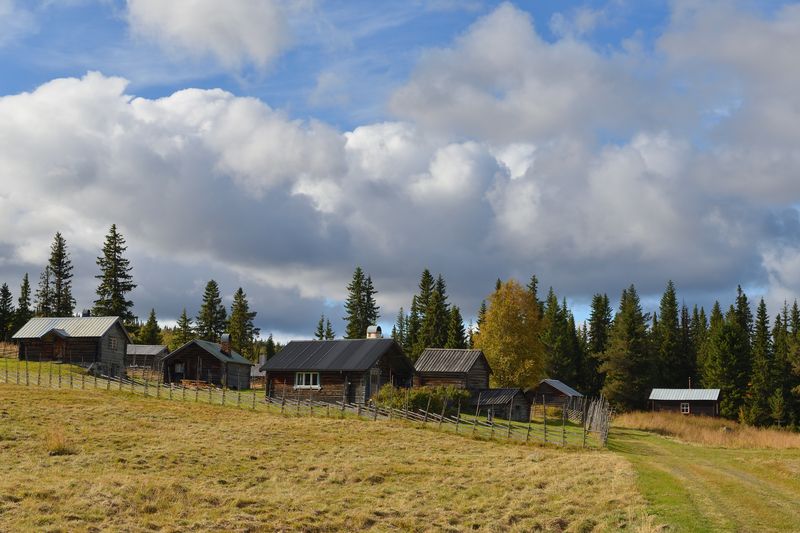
(426, 288)
(184, 332)
(672, 371)
(6, 313)
(150, 332)
(44, 293)
(115, 279)
(399, 330)
(270, 348)
(413, 326)
(356, 327)
(319, 334)
(600, 320)
(627, 362)
(62, 302)
(727, 362)
(780, 370)
(242, 326)
(715, 323)
(212, 319)
(456, 336)
(24, 311)
(757, 404)
(329, 333)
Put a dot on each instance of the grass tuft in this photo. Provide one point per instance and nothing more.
(57, 443)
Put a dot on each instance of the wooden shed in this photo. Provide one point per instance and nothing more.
(207, 362)
(96, 340)
(686, 401)
(331, 371)
(465, 369)
(554, 392)
(145, 355)
(497, 402)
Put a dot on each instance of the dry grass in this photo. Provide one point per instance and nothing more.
(708, 431)
(146, 464)
(56, 443)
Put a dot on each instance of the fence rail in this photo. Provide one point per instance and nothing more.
(557, 425)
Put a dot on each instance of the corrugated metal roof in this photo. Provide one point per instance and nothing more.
(495, 396)
(85, 327)
(561, 387)
(447, 360)
(335, 355)
(146, 349)
(215, 350)
(684, 394)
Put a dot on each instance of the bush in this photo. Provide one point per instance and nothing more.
(390, 396)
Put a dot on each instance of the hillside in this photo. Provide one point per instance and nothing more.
(78, 460)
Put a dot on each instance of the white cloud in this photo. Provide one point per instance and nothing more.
(235, 33)
(15, 22)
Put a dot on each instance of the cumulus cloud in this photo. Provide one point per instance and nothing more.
(235, 33)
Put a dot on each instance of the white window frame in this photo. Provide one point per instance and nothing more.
(685, 408)
(307, 380)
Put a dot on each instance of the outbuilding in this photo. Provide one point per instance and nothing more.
(96, 340)
(145, 355)
(352, 370)
(686, 401)
(465, 369)
(499, 402)
(208, 362)
(554, 392)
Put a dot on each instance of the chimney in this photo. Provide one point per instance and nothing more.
(225, 343)
(85, 313)
(374, 332)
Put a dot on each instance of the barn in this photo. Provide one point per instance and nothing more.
(334, 370)
(207, 362)
(77, 340)
(497, 402)
(465, 369)
(686, 401)
(145, 355)
(554, 392)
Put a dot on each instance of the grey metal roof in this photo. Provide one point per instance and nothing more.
(146, 349)
(495, 396)
(85, 327)
(213, 349)
(447, 360)
(334, 355)
(561, 387)
(685, 395)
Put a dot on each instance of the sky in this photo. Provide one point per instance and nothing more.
(277, 145)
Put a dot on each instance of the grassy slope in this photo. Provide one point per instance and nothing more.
(142, 463)
(700, 488)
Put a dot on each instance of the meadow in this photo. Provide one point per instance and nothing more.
(87, 460)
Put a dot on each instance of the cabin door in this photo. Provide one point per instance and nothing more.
(59, 349)
(374, 381)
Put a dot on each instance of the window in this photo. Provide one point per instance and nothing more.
(306, 380)
(685, 408)
(112, 343)
(179, 368)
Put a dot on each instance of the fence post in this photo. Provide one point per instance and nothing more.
(145, 384)
(17, 371)
(95, 378)
(83, 381)
(544, 416)
(458, 414)
(510, 405)
(584, 413)
(477, 412)
(528, 434)
(375, 414)
(70, 380)
(39, 374)
(563, 426)
(238, 397)
(358, 409)
(430, 395)
(254, 400)
(6, 365)
(59, 376)
(441, 418)
(196, 391)
(27, 374)
(491, 433)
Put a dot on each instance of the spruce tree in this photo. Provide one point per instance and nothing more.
(115, 279)
(150, 332)
(370, 305)
(271, 350)
(413, 326)
(627, 362)
(399, 330)
(600, 320)
(697, 333)
(426, 287)
(24, 311)
(44, 293)
(212, 319)
(481, 314)
(319, 334)
(329, 333)
(433, 331)
(558, 360)
(779, 373)
(356, 327)
(793, 382)
(757, 404)
(533, 288)
(6, 313)
(184, 332)
(686, 346)
(727, 363)
(715, 323)
(456, 336)
(62, 302)
(672, 369)
(242, 326)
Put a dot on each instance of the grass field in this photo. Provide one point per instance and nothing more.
(75, 460)
(696, 488)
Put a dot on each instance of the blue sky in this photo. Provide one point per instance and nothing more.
(276, 145)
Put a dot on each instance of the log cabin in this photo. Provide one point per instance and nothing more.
(464, 369)
(351, 370)
(96, 340)
(554, 393)
(145, 355)
(499, 402)
(207, 362)
(686, 401)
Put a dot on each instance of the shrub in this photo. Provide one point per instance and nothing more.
(390, 396)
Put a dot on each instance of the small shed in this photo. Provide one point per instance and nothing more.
(554, 392)
(85, 341)
(352, 370)
(465, 369)
(208, 362)
(497, 402)
(686, 401)
(145, 355)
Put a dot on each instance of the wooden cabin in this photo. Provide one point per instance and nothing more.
(502, 402)
(145, 355)
(96, 340)
(465, 369)
(207, 362)
(335, 370)
(554, 392)
(703, 402)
